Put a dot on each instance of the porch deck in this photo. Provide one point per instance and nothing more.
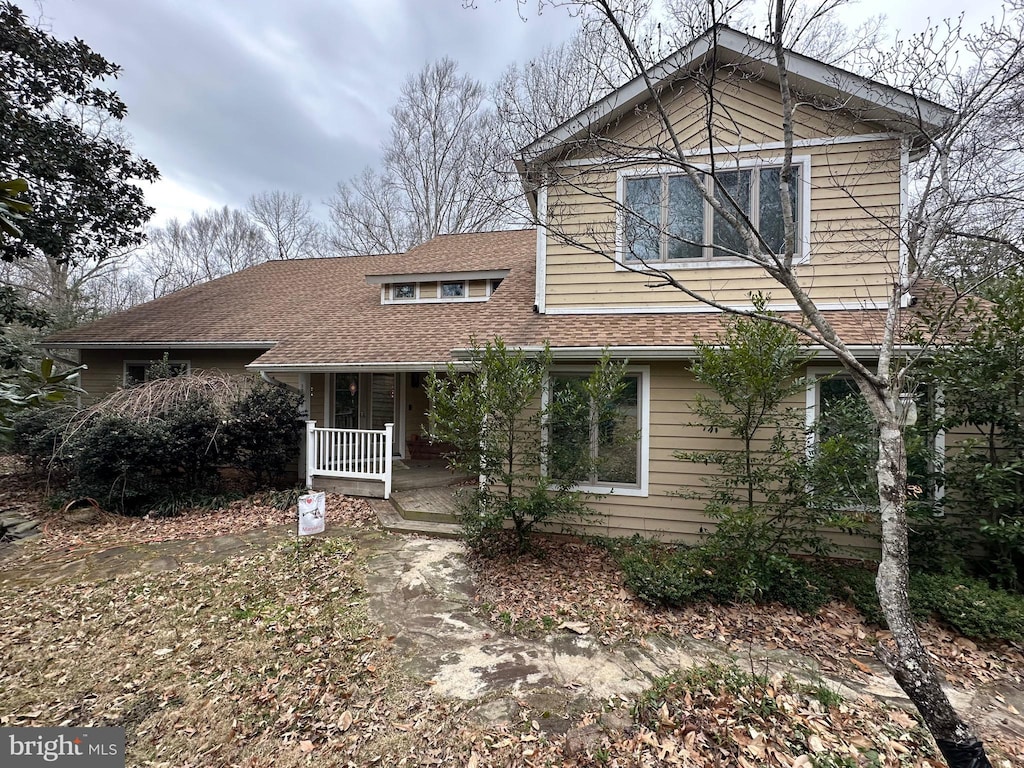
(422, 484)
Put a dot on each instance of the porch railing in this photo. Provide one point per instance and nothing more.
(356, 454)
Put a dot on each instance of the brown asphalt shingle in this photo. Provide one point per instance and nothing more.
(322, 312)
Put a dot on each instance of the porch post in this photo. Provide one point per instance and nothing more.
(389, 435)
(310, 452)
(304, 389)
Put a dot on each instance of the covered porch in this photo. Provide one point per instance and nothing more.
(366, 433)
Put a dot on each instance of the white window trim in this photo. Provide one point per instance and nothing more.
(641, 489)
(812, 401)
(151, 362)
(465, 290)
(713, 262)
(813, 405)
(388, 294)
(436, 298)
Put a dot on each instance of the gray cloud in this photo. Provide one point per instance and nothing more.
(231, 98)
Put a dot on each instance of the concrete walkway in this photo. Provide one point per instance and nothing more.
(421, 590)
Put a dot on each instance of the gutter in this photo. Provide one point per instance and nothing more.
(676, 352)
(276, 383)
(156, 344)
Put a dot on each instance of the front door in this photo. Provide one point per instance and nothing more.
(346, 401)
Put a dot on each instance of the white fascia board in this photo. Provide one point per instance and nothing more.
(805, 74)
(706, 309)
(429, 277)
(157, 344)
(677, 351)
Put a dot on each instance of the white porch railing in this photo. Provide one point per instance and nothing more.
(357, 454)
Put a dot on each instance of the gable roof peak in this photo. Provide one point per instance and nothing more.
(896, 109)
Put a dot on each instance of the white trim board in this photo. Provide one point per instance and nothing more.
(729, 149)
(705, 309)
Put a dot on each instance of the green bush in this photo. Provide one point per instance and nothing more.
(170, 459)
(678, 576)
(968, 605)
(120, 462)
(262, 433)
(971, 606)
(38, 433)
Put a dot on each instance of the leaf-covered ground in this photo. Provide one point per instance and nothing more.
(578, 582)
(270, 658)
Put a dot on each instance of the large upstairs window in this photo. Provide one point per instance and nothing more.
(668, 221)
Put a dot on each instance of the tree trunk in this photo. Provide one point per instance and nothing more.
(908, 662)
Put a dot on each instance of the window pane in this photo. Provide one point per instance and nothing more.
(403, 291)
(569, 433)
(685, 219)
(770, 206)
(617, 437)
(839, 406)
(453, 290)
(641, 236)
(737, 183)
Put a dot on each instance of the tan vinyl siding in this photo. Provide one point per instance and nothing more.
(416, 407)
(477, 289)
(746, 111)
(854, 213)
(673, 427)
(105, 372)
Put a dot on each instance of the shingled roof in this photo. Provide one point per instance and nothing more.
(322, 313)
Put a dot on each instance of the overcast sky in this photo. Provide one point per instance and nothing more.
(232, 97)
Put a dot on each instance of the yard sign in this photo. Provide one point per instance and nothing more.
(312, 508)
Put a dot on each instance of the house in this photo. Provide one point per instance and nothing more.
(357, 335)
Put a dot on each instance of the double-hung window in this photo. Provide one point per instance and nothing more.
(668, 221)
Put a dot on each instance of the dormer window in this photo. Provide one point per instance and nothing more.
(403, 291)
(453, 290)
(437, 287)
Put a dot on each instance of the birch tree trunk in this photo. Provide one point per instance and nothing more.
(908, 661)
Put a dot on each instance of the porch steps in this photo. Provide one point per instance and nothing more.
(432, 504)
(393, 521)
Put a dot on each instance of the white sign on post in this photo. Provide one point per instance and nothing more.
(312, 507)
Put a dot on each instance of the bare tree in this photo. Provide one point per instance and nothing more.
(810, 27)
(967, 163)
(74, 293)
(288, 224)
(207, 246)
(440, 170)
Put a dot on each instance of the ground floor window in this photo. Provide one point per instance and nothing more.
(614, 438)
(140, 371)
(841, 431)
